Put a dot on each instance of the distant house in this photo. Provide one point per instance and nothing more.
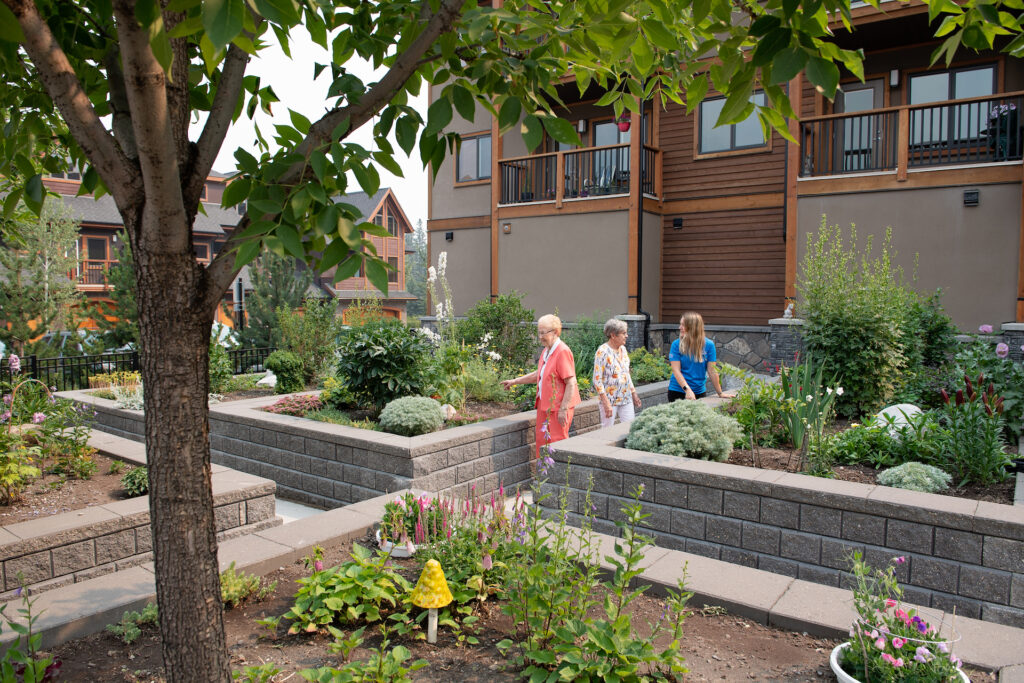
(100, 224)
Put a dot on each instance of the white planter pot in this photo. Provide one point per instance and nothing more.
(844, 677)
(392, 549)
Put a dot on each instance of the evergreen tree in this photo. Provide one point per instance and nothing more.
(416, 270)
(36, 293)
(276, 283)
(119, 321)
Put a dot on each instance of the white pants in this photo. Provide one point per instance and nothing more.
(624, 412)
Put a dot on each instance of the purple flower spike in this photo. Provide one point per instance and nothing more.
(38, 418)
(14, 363)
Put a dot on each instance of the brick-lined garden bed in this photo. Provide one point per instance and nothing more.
(326, 465)
(963, 554)
(75, 546)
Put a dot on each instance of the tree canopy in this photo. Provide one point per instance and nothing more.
(115, 88)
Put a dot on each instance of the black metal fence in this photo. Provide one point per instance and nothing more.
(850, 144)
(73, 372)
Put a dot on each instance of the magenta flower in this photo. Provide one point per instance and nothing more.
(5, 416)
(544, 429)
(900, 560)
(38, 418)
(318, 566)
(898, 642)
(14, 363)
(7, 399)
(880, 644)
(1002, 350)
(488, 562)
(890, 603)
(985, 329)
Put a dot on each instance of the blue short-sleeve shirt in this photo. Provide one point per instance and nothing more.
(694, 373)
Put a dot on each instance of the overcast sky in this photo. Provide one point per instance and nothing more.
(292, 80)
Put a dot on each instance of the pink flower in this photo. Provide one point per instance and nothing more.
(898, 642)
(38, 418)
(923, 655)
(880, 644)
(488, 562)
(318, 566)
(900, 560)
(985, 329)
(886, 657)
(890, 603)
(901, 615)
(14, 363)
(7, 399)
(409, 546)
(5, 416)
(943, 648)
(1002, 350)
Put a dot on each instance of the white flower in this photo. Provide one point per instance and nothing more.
(431, 274)
(828, 391)
(839, 391)
(487, 338)
(440, 310)
(809, 398)
(494, 355)
(442, 261)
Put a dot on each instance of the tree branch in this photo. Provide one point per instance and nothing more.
(59, 78)
(229, 88)
(222, 270)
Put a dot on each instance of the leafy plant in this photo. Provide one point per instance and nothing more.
(974, 447)
(264, 673)
(855, 305)
(646, 367)
(483, 381)
(116, 467)
(129, 398)
(136, 482)
(277, 283)
(311, 335)
(411, 416)
(760, 409)
(340, 417)
(16, 468)
(807, 408)
(583, 338)
(359, 589)
(916, 476)
(980, 357)
(384, 666)
(686, 428)
(287, 367)
(221, 368)
(246, 382)
(936, 332)
(237, 587)
(882, 444)
(23, 660)
(336, 395)
(129, 628)
(382, 361)
(506, 323)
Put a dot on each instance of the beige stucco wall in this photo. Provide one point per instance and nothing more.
(650, 291)
(449, 201)
(469, 265)
(575, 263)
(970, 252)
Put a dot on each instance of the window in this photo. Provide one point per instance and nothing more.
(96, 248)
(393, 274)
(934, 124)
(202, 251)
(743, 135)
(392, 225)
(378, 219)
(474, 162)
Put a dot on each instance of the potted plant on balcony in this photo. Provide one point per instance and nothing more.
(1004, 131)
(623, 122)
(526, 185)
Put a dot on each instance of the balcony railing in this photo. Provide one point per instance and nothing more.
(574, 174)
(93, 272)
(970, 131)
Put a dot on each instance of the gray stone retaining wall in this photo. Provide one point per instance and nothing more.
(960, 553)
(327, 465)
(747, 347)
(54, 551)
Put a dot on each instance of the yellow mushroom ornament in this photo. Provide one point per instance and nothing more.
(431, 592)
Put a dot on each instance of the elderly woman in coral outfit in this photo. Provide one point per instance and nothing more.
(555, 377)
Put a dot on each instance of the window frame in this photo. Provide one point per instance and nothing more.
(201, 245)
(733, 150)
(393, 273)
(476, 180)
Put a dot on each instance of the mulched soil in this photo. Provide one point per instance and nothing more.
(717, 646)
(52, 494)
(788, 460)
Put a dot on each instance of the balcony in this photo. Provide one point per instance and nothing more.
(580, 174)
(981, 130)
(92, 273)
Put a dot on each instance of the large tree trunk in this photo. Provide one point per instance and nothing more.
(175, 335)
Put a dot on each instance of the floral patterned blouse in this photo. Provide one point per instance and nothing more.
(611, 375)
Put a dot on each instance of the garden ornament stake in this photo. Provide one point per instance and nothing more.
(431, 592)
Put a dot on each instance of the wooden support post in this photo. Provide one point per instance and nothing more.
(793, 154)
(903, 145)
(559, 179)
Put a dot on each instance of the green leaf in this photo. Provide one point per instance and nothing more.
(533, 132)
(389, 163)
(160, 44)
(509, 114)
(464, 102)
(377, 274)
(405, 131)
(660, 35)
(285, 12)
(769, 46)
(788, 63)
(764, 24)
(300, 122)
(696, 92)
(348, 268)
(246, 253)
(348, 233)
(643, 56)
(439, 115)
(34, 192)
(10, 29)
(223, 20)
(561, 130)
(824, 75)
(367, 177)
(737, 106)
(236, 190)
(291, 240)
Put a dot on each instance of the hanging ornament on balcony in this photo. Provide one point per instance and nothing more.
(623, 122)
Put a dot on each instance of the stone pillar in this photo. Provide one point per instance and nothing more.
(786, 340)
(1013, 336)
(747, 347)
(634, 330)
(661, 336)
(429, 322)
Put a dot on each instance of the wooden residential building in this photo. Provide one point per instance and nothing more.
(717, 218)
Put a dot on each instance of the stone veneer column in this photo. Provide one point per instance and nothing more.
(786, 339)
(1013, 335)
(634, 330)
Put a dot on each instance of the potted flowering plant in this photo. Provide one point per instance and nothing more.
(405, 523)
(889, 642)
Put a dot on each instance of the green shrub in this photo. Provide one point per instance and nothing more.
(507, 323)
(382, 361)
(136, 482)
(237, 587)
(221, 368)
(336, 395)
(245, 382)
(915, 476)
(937, 337)
(16, 468)
(759, 407)
(979, 356)
(411, 416)
(924, 387)
(310, 334)
(483, 381)
(585, 335)
(921, 439)
(287, 367)
(128, 628)
(686, 428)
(646, 367)
(129, 398)
(974, 448)
(855, 308)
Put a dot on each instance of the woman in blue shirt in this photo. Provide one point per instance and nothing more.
(692, 358)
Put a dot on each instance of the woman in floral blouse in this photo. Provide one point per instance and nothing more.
(612, 382)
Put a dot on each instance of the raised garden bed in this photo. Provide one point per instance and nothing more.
(961, 554)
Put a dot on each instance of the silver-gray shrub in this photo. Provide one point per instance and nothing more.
(916, 476)
(688, 428)
(412, 415)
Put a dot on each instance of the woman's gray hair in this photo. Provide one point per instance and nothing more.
(613, 326)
